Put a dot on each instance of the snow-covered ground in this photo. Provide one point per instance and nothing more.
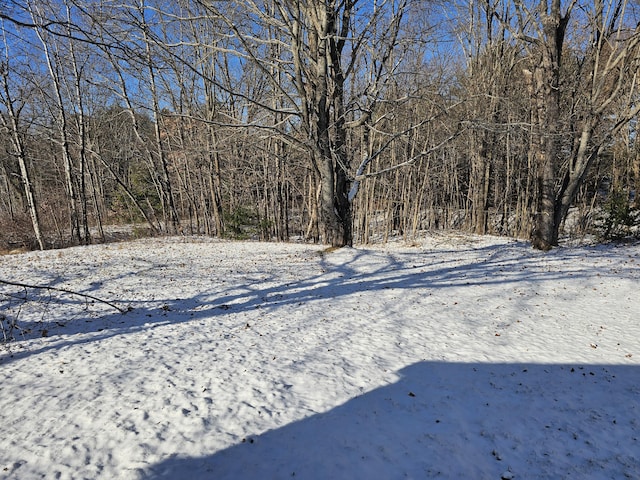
(456, 358)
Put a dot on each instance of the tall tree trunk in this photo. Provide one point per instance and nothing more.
(546, 93)
(53, 65)
(332, 219)
(19, 148)
(83, 221)
(329, 132)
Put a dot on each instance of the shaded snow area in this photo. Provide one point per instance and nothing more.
(455, 358)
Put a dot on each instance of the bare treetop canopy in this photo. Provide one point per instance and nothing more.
(326, 120)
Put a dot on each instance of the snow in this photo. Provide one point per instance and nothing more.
(455, 357)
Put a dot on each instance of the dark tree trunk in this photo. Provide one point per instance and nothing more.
(546, 93)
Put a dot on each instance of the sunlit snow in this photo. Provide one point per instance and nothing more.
(456, 357)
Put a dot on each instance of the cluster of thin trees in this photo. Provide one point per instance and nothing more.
(331, 120)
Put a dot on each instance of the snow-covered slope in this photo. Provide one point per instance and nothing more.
(461, 357)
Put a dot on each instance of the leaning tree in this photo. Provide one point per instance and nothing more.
(602, 39)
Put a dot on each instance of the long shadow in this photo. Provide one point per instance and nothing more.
(338, 276)
(487, 266)
(452, 421)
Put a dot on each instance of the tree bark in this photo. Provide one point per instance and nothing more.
(327, 95)
(546, 90)
(20, 152)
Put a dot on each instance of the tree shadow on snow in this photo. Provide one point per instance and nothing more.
(453, 421)
(349, 271)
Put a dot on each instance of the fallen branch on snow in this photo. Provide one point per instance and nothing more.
(64, 290)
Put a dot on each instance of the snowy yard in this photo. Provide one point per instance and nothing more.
(457, 358)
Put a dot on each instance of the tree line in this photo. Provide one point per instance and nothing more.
(336, 121)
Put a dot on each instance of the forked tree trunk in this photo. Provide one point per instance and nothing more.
(327, 137)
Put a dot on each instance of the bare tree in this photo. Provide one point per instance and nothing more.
(487, 79)
(56, 68)
(316, 77)
(608, 77)
(609, 68)
(10, 123)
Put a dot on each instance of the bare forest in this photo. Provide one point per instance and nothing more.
(334, 121)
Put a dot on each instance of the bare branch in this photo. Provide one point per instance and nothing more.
(64, 290)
